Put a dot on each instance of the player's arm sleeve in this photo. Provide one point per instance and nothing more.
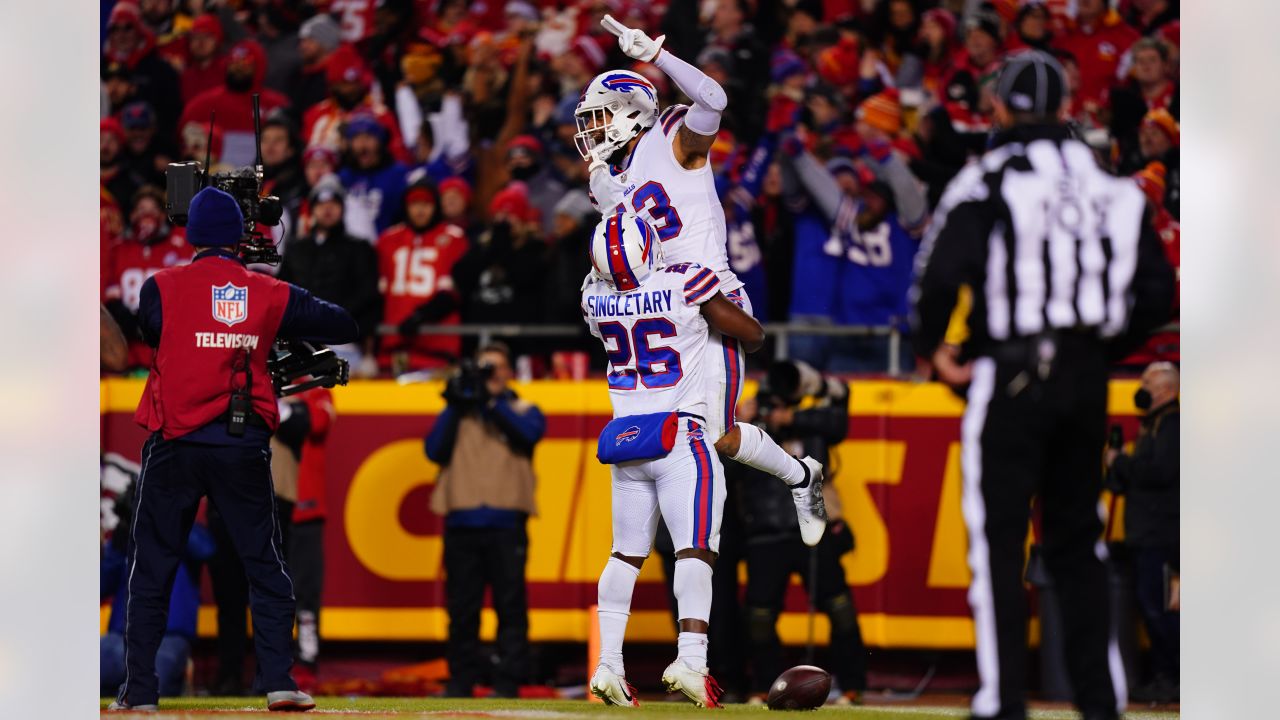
(943, 265)
(149, 312)
(709, 99)
(309, 318)
(444, 433)
(522, 423)
(818, 183)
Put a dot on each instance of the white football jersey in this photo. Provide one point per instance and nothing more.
(681, 204)
(655, 338)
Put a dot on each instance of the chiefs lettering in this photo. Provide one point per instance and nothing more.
(226, 340)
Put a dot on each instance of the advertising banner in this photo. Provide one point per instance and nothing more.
(898, 475)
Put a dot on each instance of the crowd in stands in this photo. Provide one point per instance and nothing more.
(423, 149)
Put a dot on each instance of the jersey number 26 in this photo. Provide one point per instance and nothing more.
(656, 367)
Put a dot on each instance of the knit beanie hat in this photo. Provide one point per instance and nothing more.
(324, 30)
(214, 219)
(1151, 180)
(458, 184)
(1163, 121)
(328, 188)
(882, 111)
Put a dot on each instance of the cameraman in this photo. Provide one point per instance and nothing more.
(774, 549)
(211, 410)
(483, 442)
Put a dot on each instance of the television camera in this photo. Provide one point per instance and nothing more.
(183, 180)
(295, 365)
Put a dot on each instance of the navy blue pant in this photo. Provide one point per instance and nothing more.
(237, 479)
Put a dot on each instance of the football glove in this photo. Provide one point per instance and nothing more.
(635, 44)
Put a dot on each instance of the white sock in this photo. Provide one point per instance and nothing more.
(758, 450)
(617, 582)
(692, 585)
(692, 650)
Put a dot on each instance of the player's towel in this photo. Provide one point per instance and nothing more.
(637, 437)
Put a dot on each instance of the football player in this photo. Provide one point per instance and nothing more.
(656, 323)
(656, 165)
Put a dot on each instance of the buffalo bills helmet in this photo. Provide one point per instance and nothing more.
(624, 250)
(616, 106)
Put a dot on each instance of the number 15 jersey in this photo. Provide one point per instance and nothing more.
(655, 338)
(681, 204)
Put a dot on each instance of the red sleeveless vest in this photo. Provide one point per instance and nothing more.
(214, 310)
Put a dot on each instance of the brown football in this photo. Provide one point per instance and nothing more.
(803, 687)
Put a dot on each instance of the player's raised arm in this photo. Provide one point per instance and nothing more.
(728, 319)
(702, 122)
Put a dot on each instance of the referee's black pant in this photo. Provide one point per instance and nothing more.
(1024, 437)
(175, 476)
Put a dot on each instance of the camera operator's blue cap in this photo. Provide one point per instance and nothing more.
(214, 219)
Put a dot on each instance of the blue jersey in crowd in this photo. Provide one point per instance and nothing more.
(876, 268)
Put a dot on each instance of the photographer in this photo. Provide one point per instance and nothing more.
(211, 409)
(774, 549)
(483, 442)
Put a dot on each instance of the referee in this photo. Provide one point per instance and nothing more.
(1064, 271)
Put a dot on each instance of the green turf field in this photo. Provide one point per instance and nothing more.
(397, 708)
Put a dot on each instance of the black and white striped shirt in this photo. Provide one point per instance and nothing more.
(1046, 240)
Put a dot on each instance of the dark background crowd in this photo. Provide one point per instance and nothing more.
(424, 151)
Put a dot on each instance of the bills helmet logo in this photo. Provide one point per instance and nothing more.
(695, 434)
(624, 83)
(230, 304)
(627, 435)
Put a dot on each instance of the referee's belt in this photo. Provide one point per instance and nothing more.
(253, 419)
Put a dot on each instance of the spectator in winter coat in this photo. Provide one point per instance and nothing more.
(206, 64)
(133, 46)
(317, 39)
(455, 202)
(116, 176)
(374, 180)
(526, 162)
(335, 266)
(282, 164)
(146, 152)
(1098, 41)
(1158, 139)
(501, 276)
(349, 83)
(233, 102)
(1150, 87)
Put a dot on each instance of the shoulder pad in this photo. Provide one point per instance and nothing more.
(671, 117)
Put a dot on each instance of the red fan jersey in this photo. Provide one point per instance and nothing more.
(1098, 50)
(355, 18)
(412, 268)
(129, 264)
(322, 124)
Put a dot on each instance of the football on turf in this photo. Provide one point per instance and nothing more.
(803, 687)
